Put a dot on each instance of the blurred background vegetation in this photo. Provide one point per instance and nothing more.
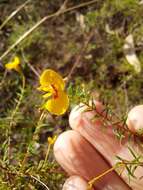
(91, 36)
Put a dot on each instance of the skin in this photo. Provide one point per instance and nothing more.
(89, 150)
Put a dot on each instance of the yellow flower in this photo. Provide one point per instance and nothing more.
(50, 77)
(52, 140)
(53, 84)
(15, 64)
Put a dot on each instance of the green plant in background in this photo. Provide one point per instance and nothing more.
(101, 71)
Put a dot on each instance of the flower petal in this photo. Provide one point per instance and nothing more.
(47, 95)
(46, 89)
(52, 140)
(50, 77)
(59, 105)
(14, 64)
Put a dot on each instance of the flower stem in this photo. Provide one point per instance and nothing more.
(14, 113)
(92, 181)
(28, 32)
(13, 14)
(47, 154)
(37, 128)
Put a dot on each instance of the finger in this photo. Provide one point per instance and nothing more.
(135, 120)
(92, 129)
(105, 141)
(75, 183)
(78, 157)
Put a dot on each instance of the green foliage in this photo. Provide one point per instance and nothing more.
(103, 73)
(19, 29)
(131, 165)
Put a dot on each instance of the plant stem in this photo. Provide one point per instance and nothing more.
(27, 154)
(13, 14)
(80, 55)
(47, 154)
(13, 114)
(43, 184)
(91, 182)
(27, 33)
(29, 65)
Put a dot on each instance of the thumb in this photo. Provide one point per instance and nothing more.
(75, 183)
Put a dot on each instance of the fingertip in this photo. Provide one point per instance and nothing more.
(80, 111)
(75, 183)
(135, 120)
(65, 150)
(63, 142)
(75, 115)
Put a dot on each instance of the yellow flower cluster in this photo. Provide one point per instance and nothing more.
(53, 84)
(14, 64)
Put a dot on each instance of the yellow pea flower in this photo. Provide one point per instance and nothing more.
(14, 65)
(53, 84)
(50, 77)
(52, 140)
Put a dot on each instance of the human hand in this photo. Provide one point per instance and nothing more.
(89, 150)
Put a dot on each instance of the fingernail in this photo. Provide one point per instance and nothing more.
(75, 183)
